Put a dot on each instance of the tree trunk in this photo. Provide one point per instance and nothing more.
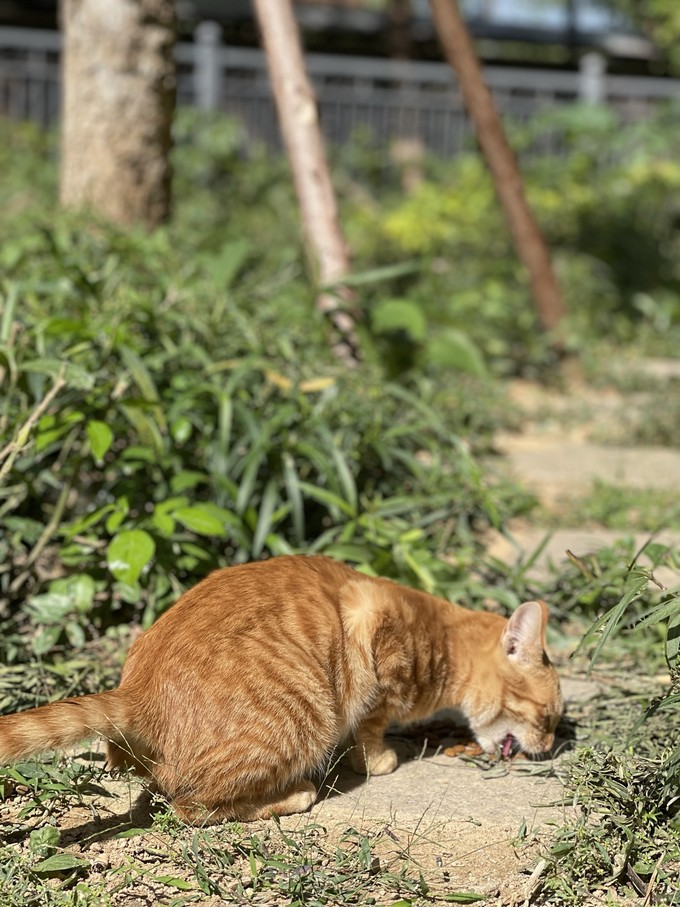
(528, 239)
(118, 99)
(400, 37)
(297, 112)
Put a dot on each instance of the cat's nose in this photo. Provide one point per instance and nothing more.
(549, 742)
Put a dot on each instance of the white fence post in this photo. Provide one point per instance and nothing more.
(591, 83)
(207, 72)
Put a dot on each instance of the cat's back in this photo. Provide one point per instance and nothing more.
(285, 601)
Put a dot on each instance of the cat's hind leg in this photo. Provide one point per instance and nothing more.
(297, 799)
(370, 755)
(126, 752)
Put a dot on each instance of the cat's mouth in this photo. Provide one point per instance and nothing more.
(507, 746)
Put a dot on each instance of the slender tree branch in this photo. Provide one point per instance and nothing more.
(10, 452)
(45, 536)
(298, 118)
(528, 239)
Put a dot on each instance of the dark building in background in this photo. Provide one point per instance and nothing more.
(554, 33)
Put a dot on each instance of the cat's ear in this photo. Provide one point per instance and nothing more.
(524, 636)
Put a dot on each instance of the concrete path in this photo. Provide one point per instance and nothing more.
(554, 466)
(557, 456)
(429, 784)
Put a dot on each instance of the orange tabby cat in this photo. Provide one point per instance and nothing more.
(241, 692)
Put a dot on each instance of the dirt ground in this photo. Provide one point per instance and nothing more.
(466, 823)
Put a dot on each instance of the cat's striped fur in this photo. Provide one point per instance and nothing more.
(237, 696)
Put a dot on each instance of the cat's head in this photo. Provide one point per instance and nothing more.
(520, 694)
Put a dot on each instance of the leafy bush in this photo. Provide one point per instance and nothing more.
(158, 428)
(626, 836)
(169, 402)
(626, 839)
(607, 200)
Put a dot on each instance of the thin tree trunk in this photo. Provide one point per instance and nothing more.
(400, 37)
(528, 239)
(118, 100)
(296, 106)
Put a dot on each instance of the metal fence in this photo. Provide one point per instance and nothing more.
(387, 99)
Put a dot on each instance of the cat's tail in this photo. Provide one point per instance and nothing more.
(61, 724)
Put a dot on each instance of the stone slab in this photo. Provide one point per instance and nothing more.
(563, 467)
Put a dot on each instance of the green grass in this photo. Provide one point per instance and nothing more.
(619, 507)
(296, 861)
(658, 422)
(623, 780)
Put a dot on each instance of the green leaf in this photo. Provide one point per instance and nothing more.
(74, 375)
(668, 703)
(121, 508)
(75, 634)
(323, 496)
(352, 552)
(44, 839)
(181, 430)
(60, 862)
(606, 625)
(292, 481)
(174, 882)
(129, 592)
(79, 527)
(7, 312)
(399, 315)
(140, 374)
(185, 479)
(128, 553)
(148, 431)
(224, 266)
(199, 519)
(248, 479)
(132, 833)
(425, 578)
(463, 897)
(100, 437)
(43, 439)
(225, 415)
(346, 479)
(673, 640)
(374, 275)
(80, 589)
(264, 518)
(660, 612)
(163, 522)
(453, 349)
(50, 607)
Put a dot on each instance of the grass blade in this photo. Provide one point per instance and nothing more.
(637, 583)
(292, 482)
(264, 519)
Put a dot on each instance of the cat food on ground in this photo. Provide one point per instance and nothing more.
(464, 749)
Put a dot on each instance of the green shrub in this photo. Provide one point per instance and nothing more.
(188, 432)
(607, 200)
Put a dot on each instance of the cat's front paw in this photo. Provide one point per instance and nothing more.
(383, 764)
(379, 763)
